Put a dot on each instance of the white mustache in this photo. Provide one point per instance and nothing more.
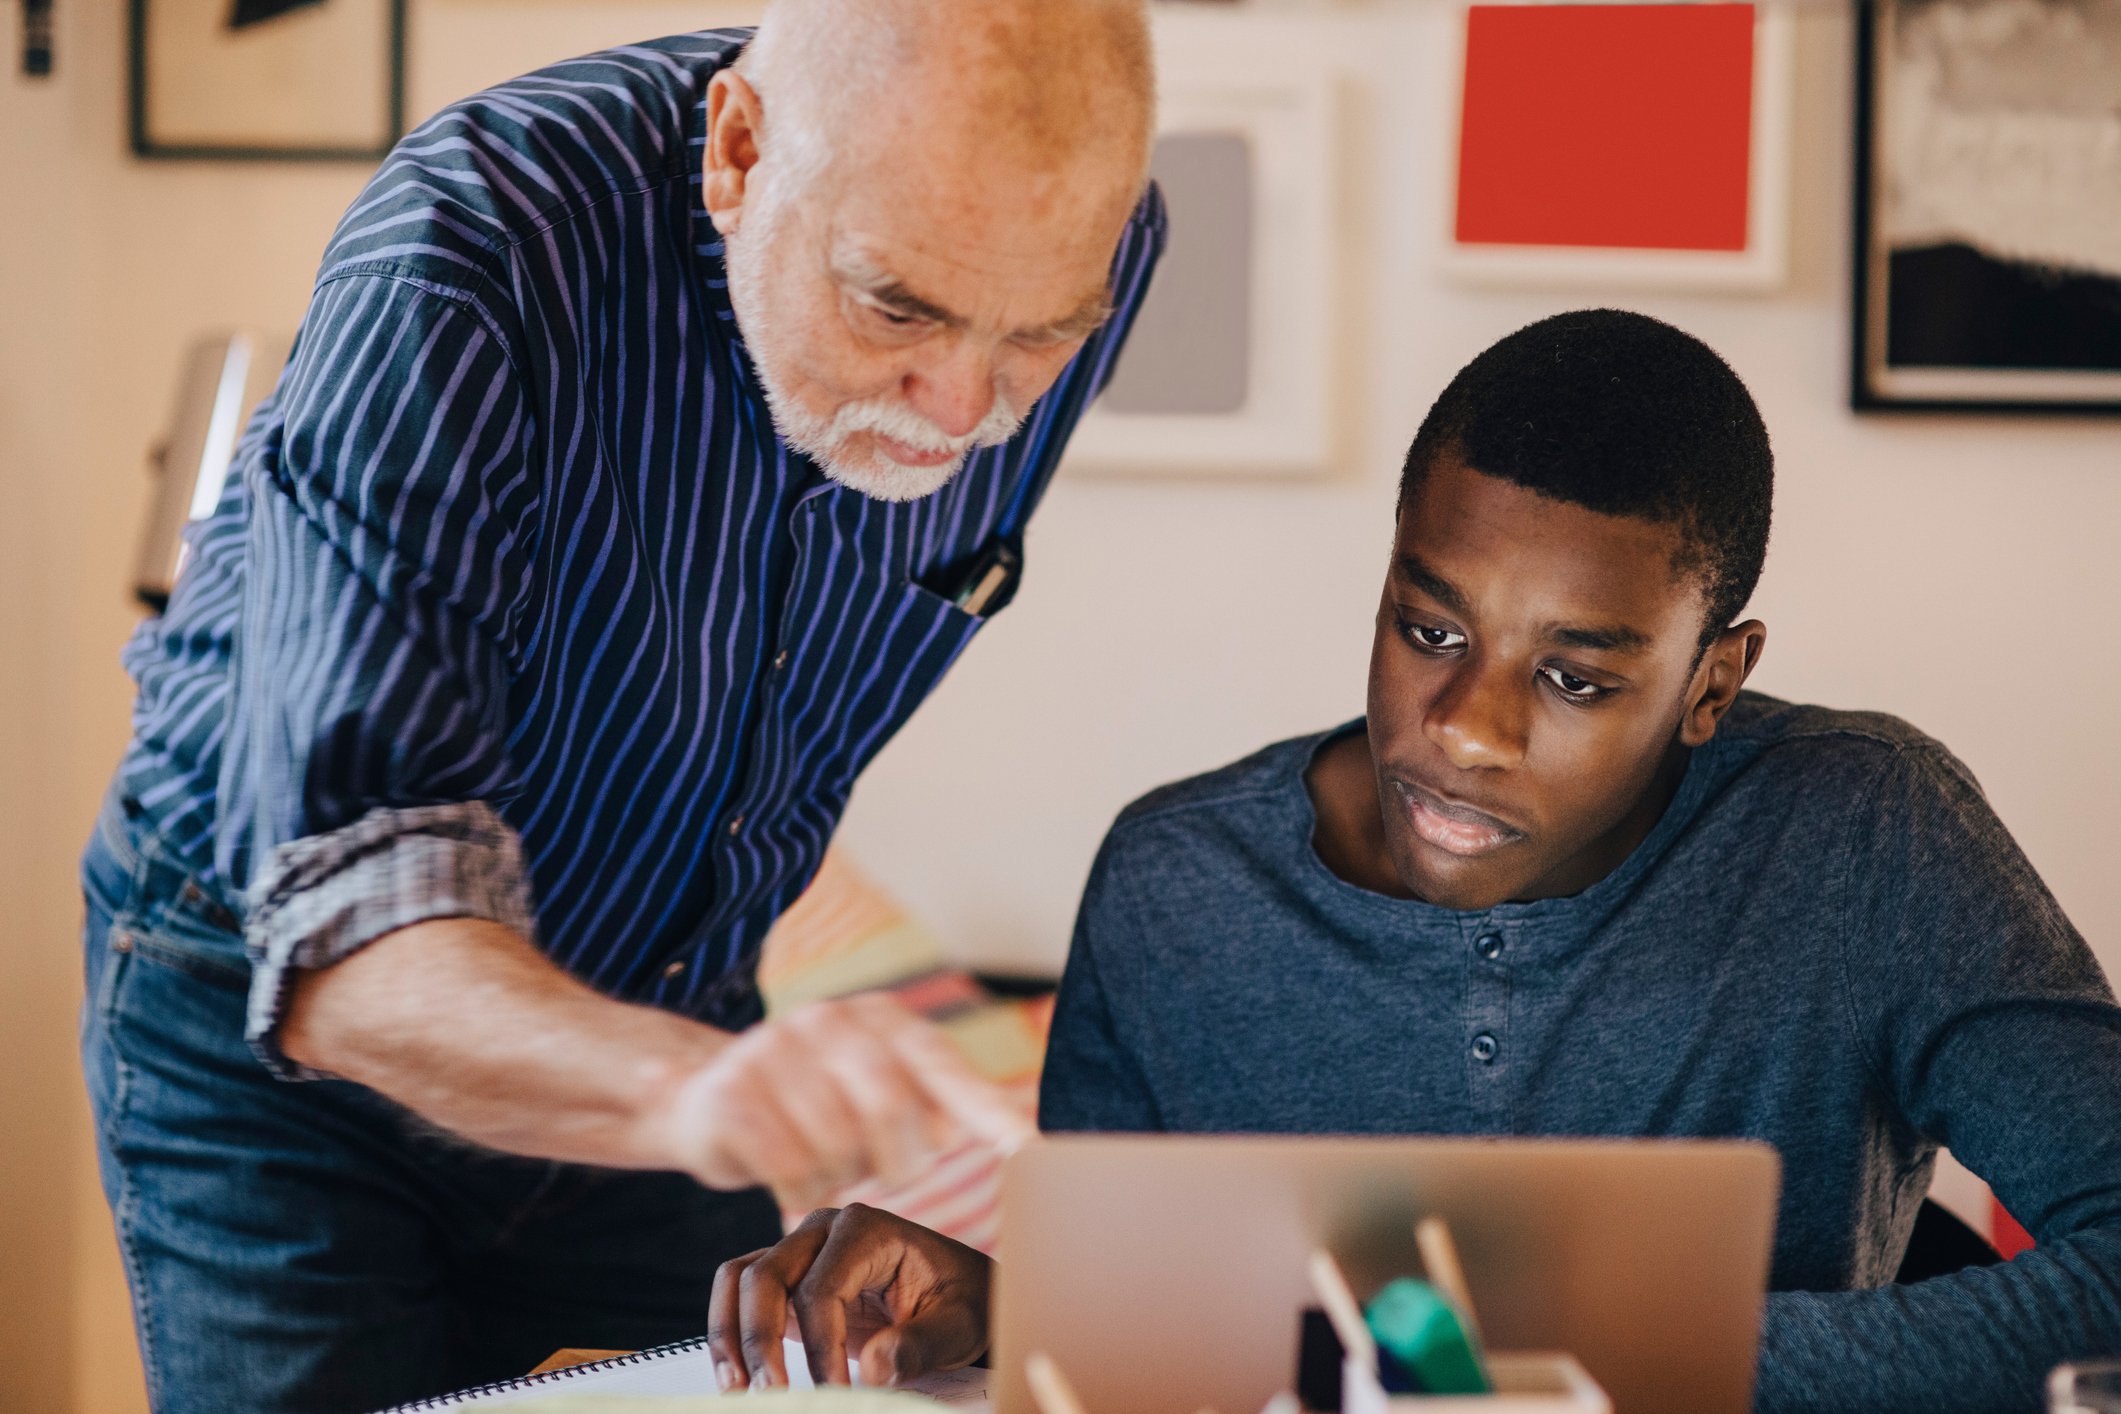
(892, 418)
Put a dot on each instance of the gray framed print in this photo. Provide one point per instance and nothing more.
(1230, 369)
(1988, 206)
(274, 80)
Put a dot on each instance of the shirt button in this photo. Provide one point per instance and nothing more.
(676, 969)
(736, 827)
(1485, 1047)
(1489, 946)
(780, 660)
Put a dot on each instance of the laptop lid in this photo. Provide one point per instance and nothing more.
(1166, 1274)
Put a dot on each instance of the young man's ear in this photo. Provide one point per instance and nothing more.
(734, 121)
(1726, 665)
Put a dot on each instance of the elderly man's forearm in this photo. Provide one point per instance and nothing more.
(466, 1024)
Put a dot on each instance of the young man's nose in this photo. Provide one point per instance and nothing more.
(1480, 718)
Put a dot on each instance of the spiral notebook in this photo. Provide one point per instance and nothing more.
(684, 1368)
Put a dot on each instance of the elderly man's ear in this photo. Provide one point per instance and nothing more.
(734, 121)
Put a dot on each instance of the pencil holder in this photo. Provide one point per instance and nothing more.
(1526, 1382)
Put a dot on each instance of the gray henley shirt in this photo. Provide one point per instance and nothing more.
(1828, 942)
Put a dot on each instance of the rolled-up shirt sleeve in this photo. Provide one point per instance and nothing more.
(386, 574)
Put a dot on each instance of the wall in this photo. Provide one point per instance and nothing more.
(39, 356)
(1959, 572)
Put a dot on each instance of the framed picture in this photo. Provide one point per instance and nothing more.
(1988, 206)
(1635, 145)
(1229, 368)
(288, 80)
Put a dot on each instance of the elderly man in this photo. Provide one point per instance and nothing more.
(662, 427)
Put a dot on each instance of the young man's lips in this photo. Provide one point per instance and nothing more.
(910, 456)
(1455, 829)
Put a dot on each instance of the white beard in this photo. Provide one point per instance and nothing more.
(824, 439)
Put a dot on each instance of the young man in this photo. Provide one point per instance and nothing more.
(1567, 878)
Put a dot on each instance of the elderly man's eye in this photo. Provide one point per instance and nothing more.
(884, 316)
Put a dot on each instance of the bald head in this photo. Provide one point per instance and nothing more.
(920, 201)
(1032, 84)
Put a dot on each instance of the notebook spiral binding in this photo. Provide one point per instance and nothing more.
(462, 1397)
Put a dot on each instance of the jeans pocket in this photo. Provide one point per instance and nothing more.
(210, 962)
(142, 903)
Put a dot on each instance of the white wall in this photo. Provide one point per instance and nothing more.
(1959, 572)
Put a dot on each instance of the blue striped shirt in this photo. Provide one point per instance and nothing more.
(517, 608)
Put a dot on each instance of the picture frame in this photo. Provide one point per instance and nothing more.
(1229, 370)
(322, 81)
(1987, 259)
(1556, 56)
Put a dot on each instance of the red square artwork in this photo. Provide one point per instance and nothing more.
(1607, 125)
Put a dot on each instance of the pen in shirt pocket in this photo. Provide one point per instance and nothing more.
(989, 582)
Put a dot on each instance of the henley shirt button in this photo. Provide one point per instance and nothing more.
(780, 660)
(736, 827)
(676, 969)
(1489, 946)
(1485, 1047)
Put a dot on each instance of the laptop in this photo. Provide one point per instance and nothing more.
(1167, 1274)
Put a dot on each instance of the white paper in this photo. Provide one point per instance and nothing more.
(691, 1371)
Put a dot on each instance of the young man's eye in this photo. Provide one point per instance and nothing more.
(1429, 638)
(1574, 688)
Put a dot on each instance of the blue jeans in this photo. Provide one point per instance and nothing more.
(313, 1248)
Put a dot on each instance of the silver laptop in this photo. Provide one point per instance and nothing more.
(1167, 1274)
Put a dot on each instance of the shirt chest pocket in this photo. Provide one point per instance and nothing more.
(868, 634)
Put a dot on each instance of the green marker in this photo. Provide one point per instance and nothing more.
(1415, 1325)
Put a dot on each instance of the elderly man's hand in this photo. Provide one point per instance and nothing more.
(834, 1092)
(905, 1300)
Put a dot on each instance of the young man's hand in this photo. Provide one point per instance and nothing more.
(905, 1300)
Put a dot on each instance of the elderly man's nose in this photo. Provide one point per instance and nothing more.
(955, 393)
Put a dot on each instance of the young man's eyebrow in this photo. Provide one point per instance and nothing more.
(1605, 638)
(1613, 638)
(1429, 582)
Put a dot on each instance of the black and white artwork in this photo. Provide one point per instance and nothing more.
(1988, 261)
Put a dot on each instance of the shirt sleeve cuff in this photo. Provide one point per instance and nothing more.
(319, 899)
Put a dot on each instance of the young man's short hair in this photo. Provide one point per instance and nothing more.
(1622, 414)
